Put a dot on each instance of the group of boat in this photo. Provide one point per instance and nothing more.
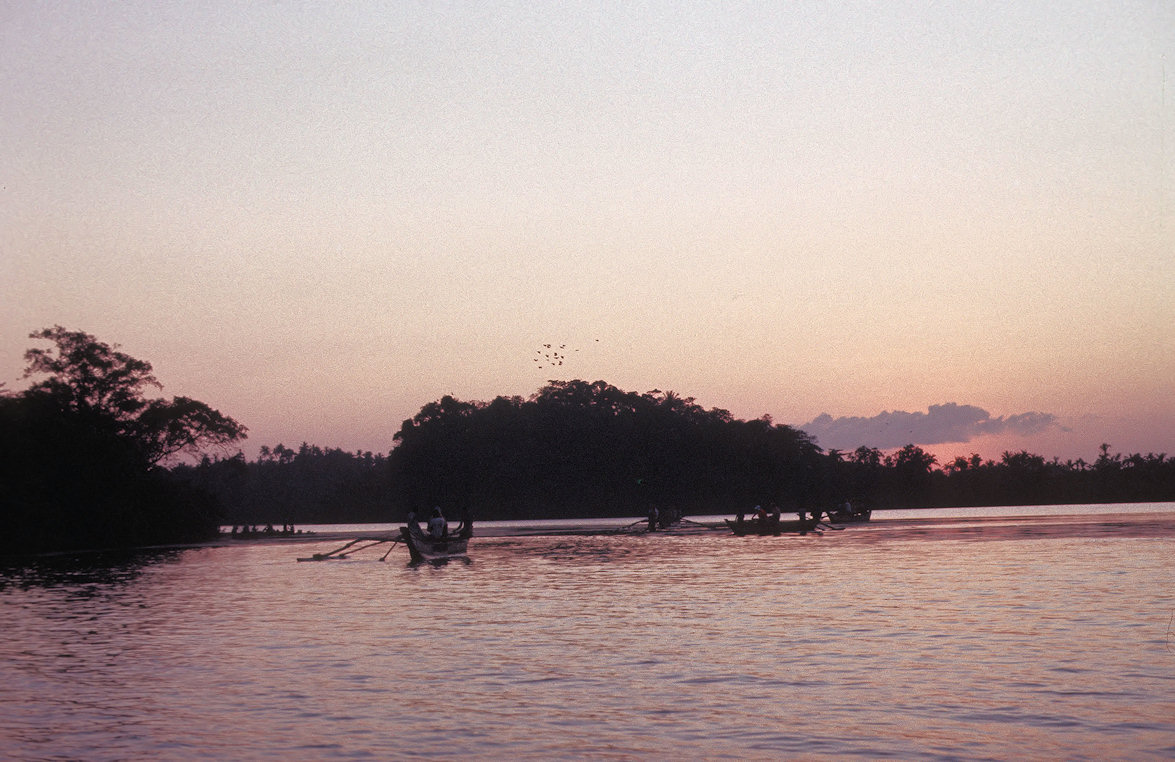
(437, 543)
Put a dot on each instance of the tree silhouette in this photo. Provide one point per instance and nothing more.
(578, 448)
(79, 450)
(87, 376)
(95, 381)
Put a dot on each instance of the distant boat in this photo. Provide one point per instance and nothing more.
(423, 547)
(850, 515)
(770, 526)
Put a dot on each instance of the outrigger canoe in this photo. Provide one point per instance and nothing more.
(424, 547)
(770, 526)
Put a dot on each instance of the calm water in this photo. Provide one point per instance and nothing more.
(978, 636)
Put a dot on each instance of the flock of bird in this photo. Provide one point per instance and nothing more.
(551, 356)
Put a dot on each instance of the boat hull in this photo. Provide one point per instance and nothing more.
(769, 527)
(856, 517)
(423, 548)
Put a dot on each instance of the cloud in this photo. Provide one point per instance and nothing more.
(941, 424)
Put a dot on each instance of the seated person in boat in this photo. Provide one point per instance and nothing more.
(764, 519)
(437, 526)
(769, 520)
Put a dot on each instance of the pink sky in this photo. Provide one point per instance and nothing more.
(319, 219)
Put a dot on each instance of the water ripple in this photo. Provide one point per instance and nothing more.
(601, 647)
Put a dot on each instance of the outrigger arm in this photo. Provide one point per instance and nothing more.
(342, 552)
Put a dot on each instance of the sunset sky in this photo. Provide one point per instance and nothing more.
(941, 223)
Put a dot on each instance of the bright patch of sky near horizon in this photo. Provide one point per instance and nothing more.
(319, 217)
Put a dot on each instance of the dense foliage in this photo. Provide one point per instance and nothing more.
(80, 452)
(1022, 478)
(577, 449)
(307, 486)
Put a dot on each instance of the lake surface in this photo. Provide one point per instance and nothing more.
(997, 634)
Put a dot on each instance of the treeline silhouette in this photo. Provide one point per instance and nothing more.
(309, 485)
(82, 452)
(583, 449)
(84, 457)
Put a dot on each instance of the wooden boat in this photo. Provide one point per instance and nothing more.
(770, 526)
(424, 547)
(851, 516)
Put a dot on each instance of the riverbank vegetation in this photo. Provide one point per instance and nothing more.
(579, 449)
(87, 460)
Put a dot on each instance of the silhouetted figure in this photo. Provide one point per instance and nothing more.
(437, 526)
(653, 514)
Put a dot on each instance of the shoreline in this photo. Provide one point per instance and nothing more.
(1159, 523)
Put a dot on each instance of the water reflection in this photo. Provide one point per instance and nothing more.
(82, 573)
(859, 643)
(439, 562)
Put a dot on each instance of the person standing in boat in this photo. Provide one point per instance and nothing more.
(437, 526)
